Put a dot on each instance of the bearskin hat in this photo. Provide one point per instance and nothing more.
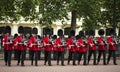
(111, 31)
(72, 33)
(54, 36)
(77, 37)
(47, 31)
(60, 32)
(81, 33)
(34, 31)
(7, 29)
(91, 32)
(21, 29)
(101, 32)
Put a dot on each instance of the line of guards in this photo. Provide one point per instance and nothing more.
(76, 45)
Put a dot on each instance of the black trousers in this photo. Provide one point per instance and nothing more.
(15, 54)
(7, 57)
(104, 56)
(60, 55)
(21, 56)
(112, 53)
(84, 54)
(34, 56)
(48, 57)
(55, 55)
(72, 56)
(94, 55)
(39, 55)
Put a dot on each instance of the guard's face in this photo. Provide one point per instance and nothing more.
(7, 34)
(47, 35)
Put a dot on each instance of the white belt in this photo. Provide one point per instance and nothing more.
(20, 43)
(7, 42)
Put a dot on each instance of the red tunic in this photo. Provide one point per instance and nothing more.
(20, 44)
(90, 41)
(60, 48)
(15, 47)
(112, 45)
(101, 44)
(46, 43)
(33, 45)
(54, 46)
(72, 47)
(82, 45)
(7, 44)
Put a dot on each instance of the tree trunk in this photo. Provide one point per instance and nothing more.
(73, 20)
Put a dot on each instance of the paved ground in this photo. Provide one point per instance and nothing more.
(59, 68)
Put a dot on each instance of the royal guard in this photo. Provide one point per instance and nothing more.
(61, 43)
(101, 46)
(21, 46)
(55, 49)
(15, 47)
(7, 45)
(112, 46)
(92, 46)
(71, 43)
(82, 43)
(47, 43)
(35, 45)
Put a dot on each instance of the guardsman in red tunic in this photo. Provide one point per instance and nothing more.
(71, 42)
(82, 42)
(15, 47)
(55, 49)
(101, 46)
(60, 42)
(35, 46)
(92, 46)
(47, 46)
(7, 45)
(19, 42)
(112, 47)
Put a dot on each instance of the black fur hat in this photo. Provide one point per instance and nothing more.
(91, 32)
(21, 29)
(111, 31)
(81, 33)
(72, 33)
(54, 36)
(47, 31)
(77, 37)
(101, 32)
(7, 29)
(60, 32)
(34, 31)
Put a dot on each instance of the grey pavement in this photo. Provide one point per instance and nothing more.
(58, 68)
